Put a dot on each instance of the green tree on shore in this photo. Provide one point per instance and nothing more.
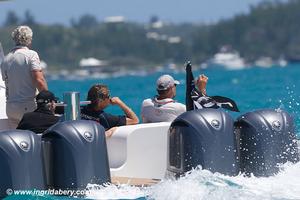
(270, 29)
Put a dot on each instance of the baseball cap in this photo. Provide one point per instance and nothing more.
(45, 96)
(165, 81)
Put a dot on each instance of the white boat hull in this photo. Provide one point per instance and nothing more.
(230, 61)
(3, 116)
(139, 151)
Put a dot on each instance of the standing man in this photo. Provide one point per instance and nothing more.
(23, 76)
(163, 107)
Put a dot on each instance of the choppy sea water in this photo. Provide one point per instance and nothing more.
(252, 89)
(202, 184)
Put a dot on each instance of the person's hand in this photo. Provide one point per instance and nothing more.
(115, 101)
(110, 132)
(201, 83)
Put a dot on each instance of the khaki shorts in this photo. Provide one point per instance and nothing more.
(15, 112)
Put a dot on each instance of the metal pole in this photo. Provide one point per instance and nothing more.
(72, 108)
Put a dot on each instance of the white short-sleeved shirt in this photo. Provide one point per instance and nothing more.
(16, 72)
(165, 110)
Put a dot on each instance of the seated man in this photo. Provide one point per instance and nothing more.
(163, 107)
(100, 99)
(43, 117)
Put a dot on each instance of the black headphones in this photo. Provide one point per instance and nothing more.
(44, 101)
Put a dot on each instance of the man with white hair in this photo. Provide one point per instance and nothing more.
(23, 76)
(163, 107)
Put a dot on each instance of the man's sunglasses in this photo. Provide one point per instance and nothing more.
(103, 96)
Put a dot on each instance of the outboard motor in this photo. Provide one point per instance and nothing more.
(267, 139)
(21, 164)
(75, 154)
(203, 137)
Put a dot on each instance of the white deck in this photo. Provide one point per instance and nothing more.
(139, 151)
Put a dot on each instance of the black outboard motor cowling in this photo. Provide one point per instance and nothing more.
(21, 164)
(267, 139)
(75, 155)
(203, 137)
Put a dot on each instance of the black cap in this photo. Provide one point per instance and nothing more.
(45, 96)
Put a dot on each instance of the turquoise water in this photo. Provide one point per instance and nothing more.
(252, 89)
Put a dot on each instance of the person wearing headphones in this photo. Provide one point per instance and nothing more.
(43, 117)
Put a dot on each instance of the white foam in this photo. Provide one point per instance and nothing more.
(111, 191)
(202, 184)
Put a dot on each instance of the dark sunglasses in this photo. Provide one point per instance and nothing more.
(103, 96)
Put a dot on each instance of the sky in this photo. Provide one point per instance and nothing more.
(176, 11)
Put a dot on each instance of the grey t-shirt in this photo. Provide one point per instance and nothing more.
(16, 72)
